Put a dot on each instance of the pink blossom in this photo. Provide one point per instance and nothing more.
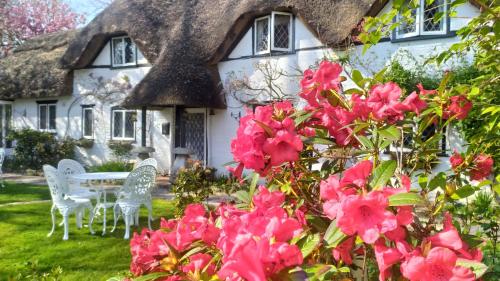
(384, 101)
(482, 167)
(328, 76)
(366, 215)
(456, 160)
(283, 147)
(343, 251)
(459, 108)
(424, 91)
(265, 199)
(414, 103)
(448, 237)
(439, 264)
(386, 257)
(198, 262)
(357, 175)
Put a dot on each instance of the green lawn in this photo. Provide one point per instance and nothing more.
(23, 238)
(22, 192)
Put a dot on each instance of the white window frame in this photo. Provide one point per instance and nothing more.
(290, 16)
(270, 36)
(47, 121)
(91, 109)
(269, 31)
(123, 53)
(419, 23)
(124, 111)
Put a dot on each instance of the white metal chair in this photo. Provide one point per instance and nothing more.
(68, 168)
(148, 201)
(136, 191)
(63, 203)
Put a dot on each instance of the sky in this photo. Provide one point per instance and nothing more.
(90, 8)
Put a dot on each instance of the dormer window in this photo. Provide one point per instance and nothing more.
(273, 33)
(123, 51)
(422, 20)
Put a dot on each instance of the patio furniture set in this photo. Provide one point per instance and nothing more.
(70, 195)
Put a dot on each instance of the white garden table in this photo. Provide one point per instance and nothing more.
(101, 189)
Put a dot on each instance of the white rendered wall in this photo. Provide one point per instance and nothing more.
(308, 52)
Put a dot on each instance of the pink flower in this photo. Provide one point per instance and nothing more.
(482, 167)
(343, 251)
(327, 77)
(456, 160)
(448, 237)
(198, 262)
(459, 108)
(360, 107)
(282, 255)
(366, 215)
(384, 102)
(357, 175)
(284, 147)
(266, 200)
(245, 261)
(439, 264)
(414, 103)
(147, 250)
(424, 91)
(386, 257)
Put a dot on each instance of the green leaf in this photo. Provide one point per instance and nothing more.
(422, 181)
(324, 141)
(151, 276)
(191, 252)
(383, 173)
(478, 268)
(463, 192)
(438, 181)
(299, 120)
(391, 133)
(319, 272)
(333, 235)
(309, 243)
(266, 128)
(366, 142)
(243, 196)
(253, 184)
(405, 199)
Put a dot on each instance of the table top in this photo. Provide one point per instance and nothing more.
(102, 176)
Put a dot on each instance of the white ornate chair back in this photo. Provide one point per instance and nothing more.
(139, 183)
(2, 156)
(149, 161)
(58, 187)
(68, 168)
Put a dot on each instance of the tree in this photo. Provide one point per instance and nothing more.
(23, 19)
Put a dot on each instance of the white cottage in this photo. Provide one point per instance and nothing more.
(179, 74)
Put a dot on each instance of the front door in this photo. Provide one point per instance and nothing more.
(190, 132)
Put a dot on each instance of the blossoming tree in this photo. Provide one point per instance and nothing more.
(332, 202)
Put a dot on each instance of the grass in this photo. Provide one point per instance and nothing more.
(13, 192)
(23, 232)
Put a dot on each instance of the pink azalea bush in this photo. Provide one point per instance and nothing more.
(327, 223)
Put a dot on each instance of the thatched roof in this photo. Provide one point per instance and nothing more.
(32, 70)
(184, 40)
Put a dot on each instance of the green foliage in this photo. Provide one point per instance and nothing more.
(121, 149)
(33, 271)
(193, 184)
(408, 78)
(34, 149)
(112, 166)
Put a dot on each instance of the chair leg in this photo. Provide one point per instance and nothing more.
(66, 226)
(53, 215)
(91, 217)
(79, 223)
(116, 216)
(136, 218)
(126, 217)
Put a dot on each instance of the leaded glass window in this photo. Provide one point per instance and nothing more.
(426, 19)
(123, 51)
(273, 33)
(123, 124)
(88, 122)
(47, 117)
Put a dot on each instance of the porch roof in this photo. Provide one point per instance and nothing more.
(32, 70)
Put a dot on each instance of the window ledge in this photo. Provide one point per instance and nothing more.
(424, 37)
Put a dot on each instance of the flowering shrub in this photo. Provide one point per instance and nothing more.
(330, 221)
